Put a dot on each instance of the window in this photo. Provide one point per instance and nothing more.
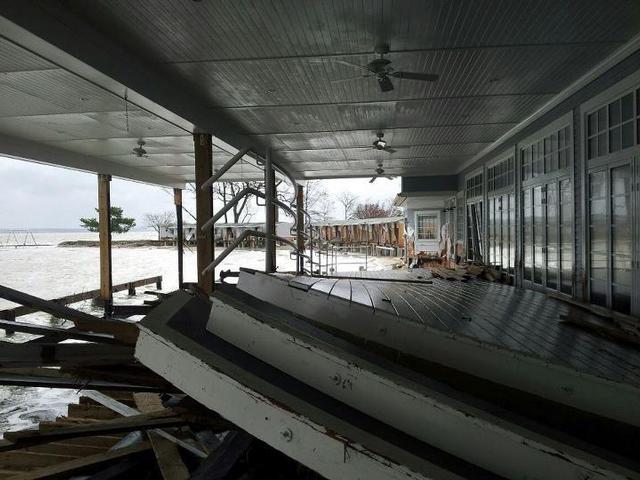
(501, 175)
(547, 155)
(474, 186)
(427, 226)
(610, 128)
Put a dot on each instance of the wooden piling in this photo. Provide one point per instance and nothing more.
(204, 208)
(177, 200)
(104, 231)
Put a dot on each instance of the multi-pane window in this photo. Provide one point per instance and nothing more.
(474, 186)
(611, 127)
(427, 227)
(548, 154)
(501, 175)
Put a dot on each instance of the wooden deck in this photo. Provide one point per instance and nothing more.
(512, 337)
(523, 321)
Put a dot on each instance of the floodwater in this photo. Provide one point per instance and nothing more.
(50, 271)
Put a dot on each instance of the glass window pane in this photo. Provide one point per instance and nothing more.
(614, 113)
(567, 136)
(614, 139)
(602, 144)
(602, 119)
(627, 135)
(627, 107)
(592, 124)
(598, 238)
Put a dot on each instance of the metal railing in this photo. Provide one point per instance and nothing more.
(269, 168)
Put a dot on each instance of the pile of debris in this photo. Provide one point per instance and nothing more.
(466, 272)
(139, 435)
(129, 422)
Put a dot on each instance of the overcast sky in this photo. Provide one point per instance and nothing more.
(40, 196)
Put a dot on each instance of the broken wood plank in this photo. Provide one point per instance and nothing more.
(126, 332)
(145, 421)
(611, 332)
(79, 297)
(95, 412)
(127, 411)
(130, 310)
(168, 458)
(54, 378)
(14, 355)
(72, 467)
(64, 333)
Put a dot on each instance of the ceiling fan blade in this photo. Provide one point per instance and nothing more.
(425, 77)
(373, 179)
(349, 64)
(390, 150)
(389, 177)
(343, 80)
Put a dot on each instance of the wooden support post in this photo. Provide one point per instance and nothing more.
(204, 209)
(177, 199)
(300, 225)
(104, 229)
(270, 214)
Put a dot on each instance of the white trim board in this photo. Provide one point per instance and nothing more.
(523, 372)
(451, 425)
(330, 445)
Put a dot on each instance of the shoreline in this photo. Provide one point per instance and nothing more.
(118, 243)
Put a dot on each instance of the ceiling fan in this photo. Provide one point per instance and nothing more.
(382, 145)
(139, 151)
(381, 69)
(380, 173)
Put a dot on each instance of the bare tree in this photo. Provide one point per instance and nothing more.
(317, 202)
(242, 211)
(348, 200)
(377, 209)
(160, 221)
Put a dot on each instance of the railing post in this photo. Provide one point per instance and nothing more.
(204, 209)
(300, 226)
(104, 235)
(177, 200)
(270, 224)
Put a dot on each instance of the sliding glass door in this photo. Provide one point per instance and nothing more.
(611, 236)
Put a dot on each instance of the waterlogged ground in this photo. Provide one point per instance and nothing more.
(50, 271)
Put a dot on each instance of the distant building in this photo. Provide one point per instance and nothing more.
(227, 232)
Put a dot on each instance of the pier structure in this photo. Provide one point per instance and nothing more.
(514, 128)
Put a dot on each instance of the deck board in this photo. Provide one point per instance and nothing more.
(520, 320)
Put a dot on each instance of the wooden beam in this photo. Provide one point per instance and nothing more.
(300, 225)
(177, 200)
(126, 332)
(21, 355)
(73, 467)
(64, 333)
(168, 458)
(104, 231)
(11, 313)
(117, 425)
(54, 378)
(128, 411)
(204, 209)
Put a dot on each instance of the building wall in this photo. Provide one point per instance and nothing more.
(609, 260)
